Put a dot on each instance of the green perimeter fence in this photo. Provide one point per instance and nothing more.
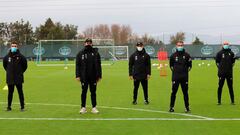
(64, 50)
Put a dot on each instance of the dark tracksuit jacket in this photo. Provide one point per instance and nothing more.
(139, 65)
(180, 64)
(15, 65)
(88, 65)
(225, 60)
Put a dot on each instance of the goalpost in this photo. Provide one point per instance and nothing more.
(63, 52)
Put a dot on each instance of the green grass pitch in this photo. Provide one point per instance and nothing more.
(53, 101)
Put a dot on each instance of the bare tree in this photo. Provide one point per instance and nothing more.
(120, 33)
(4, 33)
(89, 33)
(197, 41)
(115, 30)
(180, 36)
(146, 39)
(102, 31)
(125, 34)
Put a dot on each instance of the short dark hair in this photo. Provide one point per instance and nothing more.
(14, 42)
(88, 40)
(180, 41)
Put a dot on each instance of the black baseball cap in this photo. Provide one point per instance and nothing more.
(139, 44)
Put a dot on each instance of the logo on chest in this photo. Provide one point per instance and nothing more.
(177, 58)
(136, 57)
(13, 59)
(85, 56)
(225, 55)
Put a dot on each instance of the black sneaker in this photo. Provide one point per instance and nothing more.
(22, 109)
(9, 109)
(146, 102)
(171, 110)
(187, 110)
(134, 102)
(232, 103)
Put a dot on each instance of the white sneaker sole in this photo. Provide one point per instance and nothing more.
(94, 112)
(83, 112)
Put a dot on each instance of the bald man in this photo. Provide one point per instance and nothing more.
(225, 60)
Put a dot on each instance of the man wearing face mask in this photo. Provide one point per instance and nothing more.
(225, 61)
(89, 72)
(140, 71)
(180, 64)
(15, 65)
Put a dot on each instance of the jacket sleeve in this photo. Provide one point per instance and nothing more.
(189, 62)
(100, 65)
(218, 59)
(24, 64)
(171, 62)
(5, 62)
(130, 65)
(149, 65)
(78, 65)
(233, 58)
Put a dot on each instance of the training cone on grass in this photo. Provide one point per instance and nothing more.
(5, 87)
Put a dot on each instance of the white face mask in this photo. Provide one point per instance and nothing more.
(139, 48)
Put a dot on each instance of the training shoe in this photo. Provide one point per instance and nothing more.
(83, 110)
(187, 110)
(9, 109)
(134, 102)
(22, 109)
(171, 110)
(95, 110)
(219, 103)
(146, 102)
(232, 103)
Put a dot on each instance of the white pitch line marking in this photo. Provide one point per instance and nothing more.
(123, 108)
(118, 119)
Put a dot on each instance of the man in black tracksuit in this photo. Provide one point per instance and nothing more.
(140, 71)
(180, 64)
(225, 60)
(15, 65)
(89, 72)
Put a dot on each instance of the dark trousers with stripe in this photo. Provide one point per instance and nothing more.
(144, 83)
(184, 86)
(93, 88)
(230, 87)
(20, 94)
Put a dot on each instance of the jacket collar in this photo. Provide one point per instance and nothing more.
(14, 54)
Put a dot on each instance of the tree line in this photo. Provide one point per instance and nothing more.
(23, 32)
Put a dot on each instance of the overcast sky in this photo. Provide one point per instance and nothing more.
(211, 17)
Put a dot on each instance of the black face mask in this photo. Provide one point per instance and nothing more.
(88, 47)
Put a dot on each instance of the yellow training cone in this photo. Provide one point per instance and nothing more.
(5, 87)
